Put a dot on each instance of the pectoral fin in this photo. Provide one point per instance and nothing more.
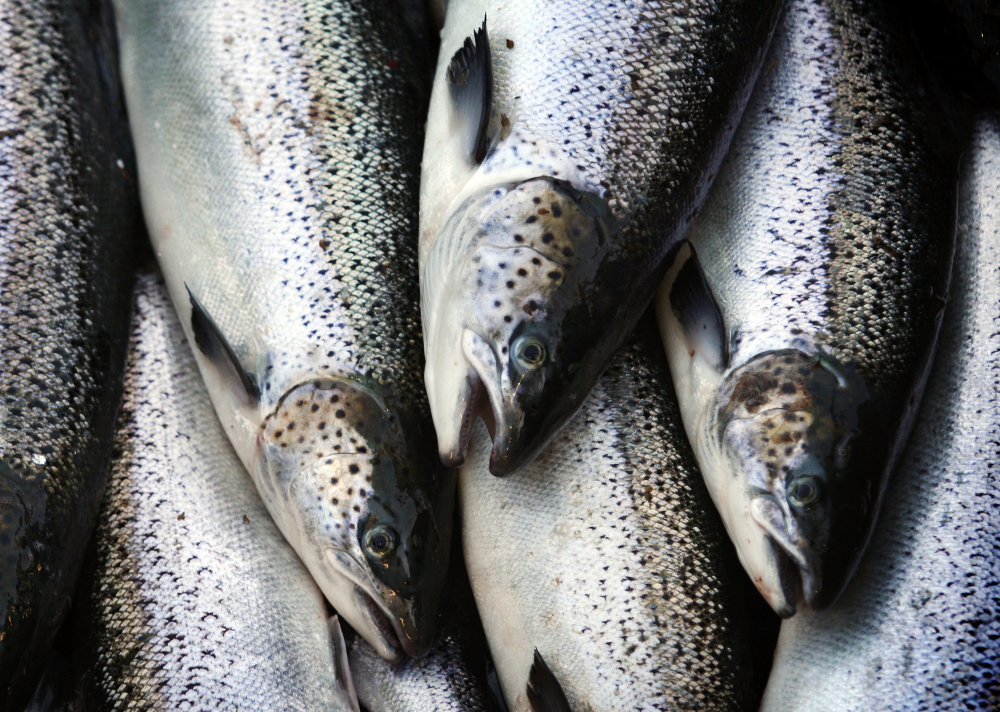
(544, 692)
(344, 679)
(211, 342)
(697, 312)
(470, 79)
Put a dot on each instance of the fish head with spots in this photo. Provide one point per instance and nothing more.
(512, 328)
(336, 463)
(787, 427)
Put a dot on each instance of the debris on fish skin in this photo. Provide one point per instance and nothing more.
(68, 213)
(801, 315)
(606, 557)
(278, 146)
(567, 146)
(196, 600)
(917, 629)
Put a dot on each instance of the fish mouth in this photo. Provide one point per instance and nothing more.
(392, 647)
(791, 577)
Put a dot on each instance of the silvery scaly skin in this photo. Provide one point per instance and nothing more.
(196, 601)
(567, 145)
(606, 556)
(278, 148)
(68, 211)
(800, 318)
(918, 628)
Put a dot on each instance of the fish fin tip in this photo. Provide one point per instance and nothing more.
(545, 694)
(470, 81)
(344, 679)
(213, 344)
(697, 311)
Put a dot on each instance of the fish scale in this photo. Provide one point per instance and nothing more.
(278, 149)
(918, 628)
(623, 110)
(606, 556)
(195, 600)
(68, 213)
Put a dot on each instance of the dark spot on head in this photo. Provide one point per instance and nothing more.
(531, 219)
(510, 284)
(508, 318)
(518, 238)
(277, 433)
(362, 449)
(334, 398)
(354, 469)
(568, 252)
(315, 407)
(522, 272)
(548, 237)
(554, 275)
(788, 387)
(322, 426)
(340, 414)
(291, 426)
(497, 303)
(535, 261)
(502, 265)
(335, 501)
(556, 210)
(772, 452)
(536, 200)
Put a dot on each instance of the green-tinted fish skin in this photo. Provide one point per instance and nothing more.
(67, 212)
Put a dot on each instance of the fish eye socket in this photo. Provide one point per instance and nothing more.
(529, 352)
(381, 541)
(803, 491)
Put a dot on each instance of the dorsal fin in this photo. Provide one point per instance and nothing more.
(210, 341)
(470, 79)
(694, 305)
(344, 681)
(544, 692)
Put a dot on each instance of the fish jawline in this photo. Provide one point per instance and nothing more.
(384, 625)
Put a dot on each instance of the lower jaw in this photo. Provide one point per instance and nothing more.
(384, 627)
(789, 581)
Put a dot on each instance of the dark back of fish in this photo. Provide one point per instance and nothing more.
(67, 213)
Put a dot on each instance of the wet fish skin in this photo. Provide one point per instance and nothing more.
(67, 214)
(606, 123)
(195, 599)
(607, 556)
(278, 147)
(917, 628)
(801, 316)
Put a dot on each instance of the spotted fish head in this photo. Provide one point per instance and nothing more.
(787, 424)
(365, 505)
(518, 341)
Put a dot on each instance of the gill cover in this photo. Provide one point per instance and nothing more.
(512, 333)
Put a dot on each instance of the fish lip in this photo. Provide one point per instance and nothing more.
(384, 624)
(797, 578)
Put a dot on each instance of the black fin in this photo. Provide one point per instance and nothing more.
(544, 692)
(210, 341)
(344, 680)
(694, 305)
(470, 78)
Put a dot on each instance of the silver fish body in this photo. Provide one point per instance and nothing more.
(606, 556)
(801, 316)
(196, 600)
(68, 212)
(917, 629)
(567, 145)
(278, 151)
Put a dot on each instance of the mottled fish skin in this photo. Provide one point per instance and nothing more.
(67, 215)
(278, 147)
(801, 316)
(452, 676)
(917, 630)
(607, 123)
(607, 556)
(196, 601)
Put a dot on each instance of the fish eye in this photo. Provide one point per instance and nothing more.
(381, 541)
(803, 491)
(529, 352)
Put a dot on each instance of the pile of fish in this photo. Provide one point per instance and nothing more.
(510, 372)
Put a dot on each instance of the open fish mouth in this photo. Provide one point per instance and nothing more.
(383, 623)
